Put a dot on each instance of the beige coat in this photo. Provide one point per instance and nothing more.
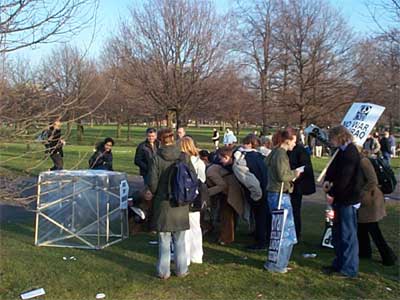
(372, 201)
(220, 180)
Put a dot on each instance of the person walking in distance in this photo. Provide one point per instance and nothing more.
(215, 138)
(54, 145)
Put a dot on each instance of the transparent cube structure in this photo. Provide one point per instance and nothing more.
(81, 209)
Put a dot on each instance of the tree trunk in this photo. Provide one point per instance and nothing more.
(170, 118)
(178, 119)
(119, 127)
(79, 131)
(128, 136)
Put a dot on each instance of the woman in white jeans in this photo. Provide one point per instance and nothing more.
(194, 236)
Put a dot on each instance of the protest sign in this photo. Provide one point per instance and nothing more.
(361, 119)
(277, 227)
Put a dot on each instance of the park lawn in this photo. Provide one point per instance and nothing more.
(127, 270)
(27, 157)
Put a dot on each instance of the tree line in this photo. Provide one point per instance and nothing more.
(264, 62)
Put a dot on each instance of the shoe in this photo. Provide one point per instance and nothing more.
(163, 277)
(343, 276)
(182, 275)
(282, 271)
(329, 270)
(256, 248)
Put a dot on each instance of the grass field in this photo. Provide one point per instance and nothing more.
(29, 158)
(127, 270)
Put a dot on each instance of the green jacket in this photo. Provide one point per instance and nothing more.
(278, 171)
(166, 218)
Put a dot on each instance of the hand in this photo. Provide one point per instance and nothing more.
(297, 173)
(329, 214)
(329, 199)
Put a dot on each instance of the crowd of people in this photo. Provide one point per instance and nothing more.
(247, 182)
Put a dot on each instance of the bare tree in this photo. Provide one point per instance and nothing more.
(316, 67)
(71, 79)
(386, 15)
(26, 23)
(378, 75)
(257, 44)
(170, 50)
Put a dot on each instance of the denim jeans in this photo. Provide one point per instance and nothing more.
(283, 260)
(344, 239)
(164, 253)
(386, 157)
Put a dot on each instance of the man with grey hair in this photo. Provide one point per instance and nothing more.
(265, 145)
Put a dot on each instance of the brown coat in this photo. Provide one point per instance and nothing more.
(372, 201)
(220, 180)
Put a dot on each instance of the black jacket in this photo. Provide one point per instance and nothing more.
(385, 145)
(101, 159)
(345, 175)
(53, 144)
(305, 184)
(144, 155)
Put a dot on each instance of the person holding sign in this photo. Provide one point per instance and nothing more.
(280, 185)
(344, 177)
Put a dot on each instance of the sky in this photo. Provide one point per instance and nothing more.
(110, 12)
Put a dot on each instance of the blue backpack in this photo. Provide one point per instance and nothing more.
(183, 187)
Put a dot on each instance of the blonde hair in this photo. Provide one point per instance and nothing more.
(188, 146)
(341, 134)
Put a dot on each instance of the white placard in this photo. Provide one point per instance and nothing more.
(361, 119)
(123, 194)
(277, 227)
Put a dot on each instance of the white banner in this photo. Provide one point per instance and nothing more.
(361, 119)
(277, 227)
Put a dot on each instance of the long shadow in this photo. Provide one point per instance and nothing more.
(212, 254)
(22, 231)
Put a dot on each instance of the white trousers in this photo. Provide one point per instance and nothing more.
(194, 239)
(318, 151)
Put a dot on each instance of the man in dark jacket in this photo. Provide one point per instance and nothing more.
(170, 221)
(102, 158)
(145, 152)
(343, 175)
(303, 185)
(54, 145)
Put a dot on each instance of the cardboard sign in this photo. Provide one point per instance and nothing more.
(361, 119)
(277, 227)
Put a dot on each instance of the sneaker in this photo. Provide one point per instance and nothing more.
(183, 275)
(163, 277)
(256, 248)
(282, 271)
(329, 270)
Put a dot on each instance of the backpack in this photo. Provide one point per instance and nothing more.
(183, 187)
(386, 178)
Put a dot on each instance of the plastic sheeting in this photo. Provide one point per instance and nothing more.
(81, 209)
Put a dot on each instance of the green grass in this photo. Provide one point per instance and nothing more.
(127, 270)
(27, 157)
